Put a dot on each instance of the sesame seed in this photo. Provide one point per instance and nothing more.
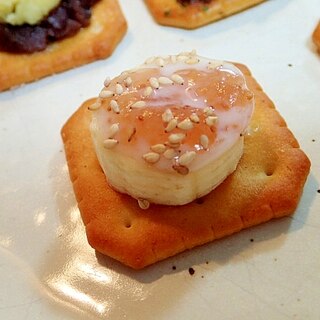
(154, 83)
(171, 125)
(211, 120)
(160, 62)
(119, 89)
(170, 154)
(186, 124)
(249, 94)
(177, 79)
(128, 82)
(176, 137)
(143, 204)
(114, 106)
(173, 59)
(151, 157)
(113, 130)
(194, 118)
(192, 60)
(164, 80)
(181, 169)
(158, 148)
(173, 145)
(182, 58)
(208, 111)
(147, 92)
(214, 64)
(167, 116)
(106, 94)
(138, 104)
(204, 141)
(110, 143)
(94, 106)
(150, 60)
(187, 158)
(107, 81)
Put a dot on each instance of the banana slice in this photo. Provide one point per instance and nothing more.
(171, 130)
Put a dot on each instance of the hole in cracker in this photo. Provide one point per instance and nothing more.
(128, 225)
(269, 172)
(200, 201)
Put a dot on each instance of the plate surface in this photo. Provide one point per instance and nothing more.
(47, 269)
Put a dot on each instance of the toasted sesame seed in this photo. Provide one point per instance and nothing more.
(119, 89)
(167, 116)
(181, 169)
(160, 62)
(177, 79)
(147, 92)
(114, 106)
(107, 81)
(204, 141)
(192, 60)
(158, 148)
(106, 94)
(138, 104)
(171, 125)
(194, 118)
(208, 111)
(128, 82)
(249, 94)
(154, 83)
(150, 60)
(170, 154)
(113, 130)
(187, 158)
(151, 157)
(185, 124)
(144, 204)
(110, 143)
(164, 80)
(211, 120)
(176, 137)
(94, 106)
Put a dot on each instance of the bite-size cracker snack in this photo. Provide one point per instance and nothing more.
(97, 41)
(267, 184)
(316, 36)
(193, 15)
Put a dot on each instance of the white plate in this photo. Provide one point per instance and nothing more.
(47, 269)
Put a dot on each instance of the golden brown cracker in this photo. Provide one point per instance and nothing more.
(267, 184)
(97, 41)
(172, 13)
(316, 36)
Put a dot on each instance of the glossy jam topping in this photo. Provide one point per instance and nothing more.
(175, 111)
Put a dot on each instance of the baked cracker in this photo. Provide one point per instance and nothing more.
(172, 13)
(316, 36)
(267, 184)
(97, 41)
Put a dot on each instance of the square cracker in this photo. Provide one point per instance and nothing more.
(172, 13)
(97, 41)
(267, 184)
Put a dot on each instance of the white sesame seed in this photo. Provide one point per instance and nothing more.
(187, 158)
(107, 81)
(192, 60)
(154, 83)
(194, 118)
(143, 204)
(164, 80)
(185, 124)
(138, 104)
(114, 106)
(128, 82)
(96, 105)
(177, 79)
(204, 141)
(208, 111)
(167, 116)
(171, 125)
(147, 92)
(176, 137)
(182, 58)
(113, 130)
(173, 59)
(158, 148)
(211, 120)
(151, 157)
(170, 154)
(119, 89)
(150, 60)
(160, 62)
(110, 143)
(106, 94)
